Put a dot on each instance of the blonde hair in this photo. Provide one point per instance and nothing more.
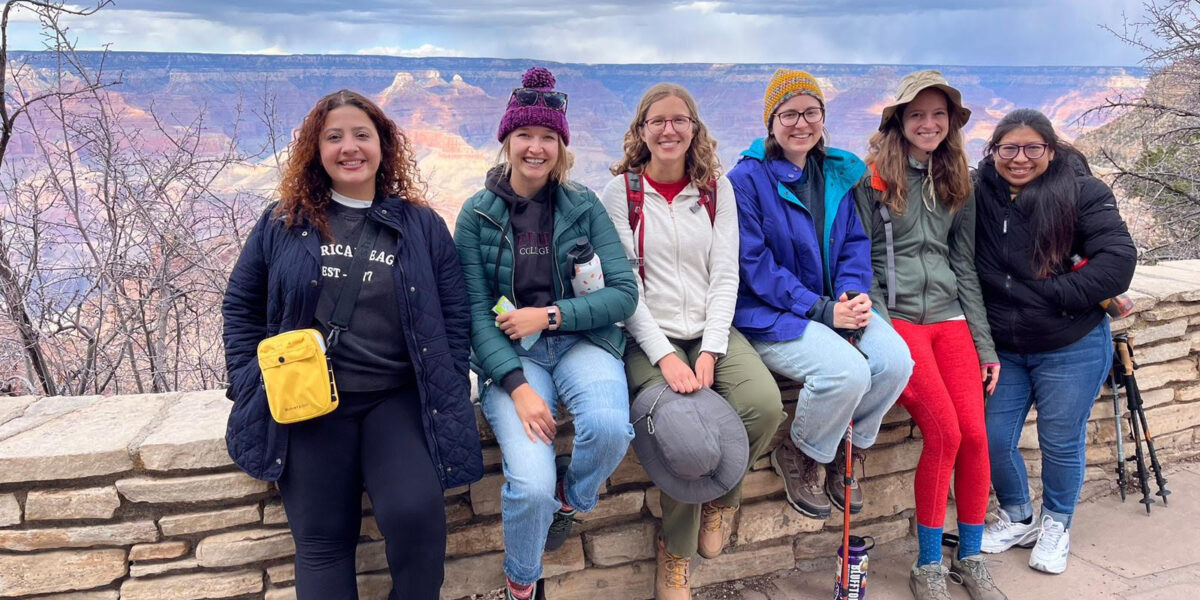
(700, 163)
(562, 166)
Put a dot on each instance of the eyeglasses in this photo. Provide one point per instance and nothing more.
(552, 100)
(1032, 151)
(681, 124)
(789, 118)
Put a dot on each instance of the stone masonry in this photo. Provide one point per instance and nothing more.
(134, 497)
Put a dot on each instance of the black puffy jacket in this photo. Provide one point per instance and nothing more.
(1028, 314)
(274, 287)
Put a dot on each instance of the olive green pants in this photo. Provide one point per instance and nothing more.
(741, 378)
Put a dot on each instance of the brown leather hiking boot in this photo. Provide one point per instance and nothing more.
(674, 578)
(716, 524)
(801, 480)
(835, 485)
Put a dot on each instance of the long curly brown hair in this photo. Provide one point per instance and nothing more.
(701, 163)
(304, 191)
(888, 151)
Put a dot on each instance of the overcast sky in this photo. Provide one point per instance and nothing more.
(955, 32)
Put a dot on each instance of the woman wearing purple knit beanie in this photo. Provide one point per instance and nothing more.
(542, 349)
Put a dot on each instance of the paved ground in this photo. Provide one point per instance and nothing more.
(1117, 553)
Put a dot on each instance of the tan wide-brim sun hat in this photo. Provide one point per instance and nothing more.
(913, 84)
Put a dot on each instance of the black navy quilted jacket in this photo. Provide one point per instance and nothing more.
(274, 287)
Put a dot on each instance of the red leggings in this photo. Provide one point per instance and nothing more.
(945, 398)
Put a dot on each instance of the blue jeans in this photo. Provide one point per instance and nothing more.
(1064, 384)
(839, 384)
(568, 371)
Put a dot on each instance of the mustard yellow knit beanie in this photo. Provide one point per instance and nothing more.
(785, 84)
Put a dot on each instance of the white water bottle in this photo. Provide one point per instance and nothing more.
(589, 276)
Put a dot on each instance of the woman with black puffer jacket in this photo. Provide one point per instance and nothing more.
(1039, 209)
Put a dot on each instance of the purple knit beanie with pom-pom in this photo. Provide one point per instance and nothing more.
(536, 78)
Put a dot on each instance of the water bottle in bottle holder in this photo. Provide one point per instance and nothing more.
(856, 585)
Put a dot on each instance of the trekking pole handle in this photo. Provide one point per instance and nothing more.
(1125, 355)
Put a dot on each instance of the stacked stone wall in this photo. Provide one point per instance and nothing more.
(134, 497)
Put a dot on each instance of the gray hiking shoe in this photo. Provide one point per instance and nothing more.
(976, 578)
(928, 582)
(801, 480)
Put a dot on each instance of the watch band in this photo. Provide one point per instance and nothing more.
(552, 317)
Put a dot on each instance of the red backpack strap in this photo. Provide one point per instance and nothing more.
(635, 196)
(708, 199)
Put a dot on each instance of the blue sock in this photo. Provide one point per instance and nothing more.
(929, 540)
(970, 537)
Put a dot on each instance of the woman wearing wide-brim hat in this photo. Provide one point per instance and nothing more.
(917, 207)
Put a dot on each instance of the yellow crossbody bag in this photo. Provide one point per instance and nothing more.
(297, 366)
(297, 375)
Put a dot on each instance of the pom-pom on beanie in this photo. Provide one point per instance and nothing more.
(542, 80)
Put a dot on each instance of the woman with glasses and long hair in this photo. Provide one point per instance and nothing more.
(683, 237)
(917, 208)
(404, 429)
(803, 302)
(539, 349)
(1050, 247)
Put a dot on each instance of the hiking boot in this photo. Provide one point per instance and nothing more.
(716, 524)
(835, 484)
(1004, 533)
(1053, 547)
(976, 578)
(673, 579)
(564, 520)
(801, 480)
(928, 582)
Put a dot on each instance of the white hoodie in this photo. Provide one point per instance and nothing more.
(691, 266)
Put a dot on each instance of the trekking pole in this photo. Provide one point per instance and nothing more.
(847, 481)
(1137, 411)
(1124, 355)
(1116, 391)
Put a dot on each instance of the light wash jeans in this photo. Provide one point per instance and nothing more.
(839, 384)
(570, 372)
(1064, 384)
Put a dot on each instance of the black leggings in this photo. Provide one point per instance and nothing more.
(374, 440)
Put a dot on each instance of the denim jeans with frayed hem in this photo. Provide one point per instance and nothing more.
(569, 373)
(839, 384)
(1063, 384)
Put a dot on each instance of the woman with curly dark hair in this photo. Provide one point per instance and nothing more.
(684, 238)
(404, 428)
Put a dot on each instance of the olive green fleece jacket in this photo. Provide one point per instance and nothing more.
(934, 259)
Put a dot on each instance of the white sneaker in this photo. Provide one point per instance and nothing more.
(1053, 547)
(1003, 534)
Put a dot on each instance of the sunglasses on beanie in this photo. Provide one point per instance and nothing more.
(552, 100)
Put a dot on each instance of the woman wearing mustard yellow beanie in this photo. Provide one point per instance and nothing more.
(802, 250)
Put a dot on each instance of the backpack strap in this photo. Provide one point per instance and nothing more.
(708, 199)
(635, 196)
(885, 215)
